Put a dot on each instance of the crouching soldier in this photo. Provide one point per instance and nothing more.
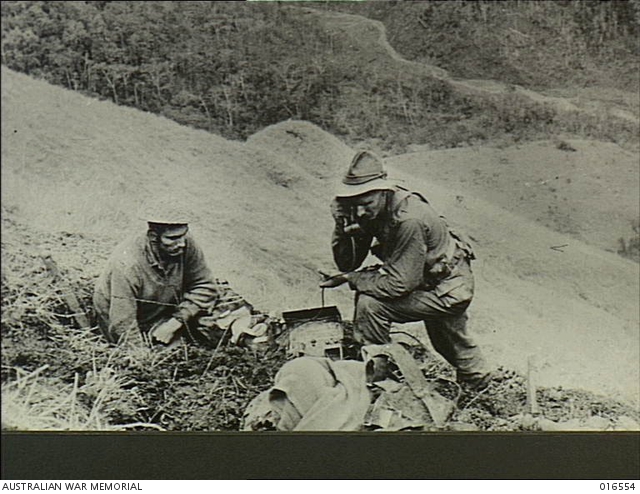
(155, 285)
(425, 276)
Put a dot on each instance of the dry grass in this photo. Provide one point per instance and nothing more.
(30, 403)
(27, 404)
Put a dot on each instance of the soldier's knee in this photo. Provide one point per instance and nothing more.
(457, 323)
(368, 305)
(372, 323)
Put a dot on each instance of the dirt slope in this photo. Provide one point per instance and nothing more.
(588, 190)
(72, 164)
(75, 164)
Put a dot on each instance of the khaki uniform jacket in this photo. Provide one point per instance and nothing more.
(416, 246)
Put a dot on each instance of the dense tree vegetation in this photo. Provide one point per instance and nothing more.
(213, 65)
(235, 67)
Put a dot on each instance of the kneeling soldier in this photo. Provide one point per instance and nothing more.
(426, 275)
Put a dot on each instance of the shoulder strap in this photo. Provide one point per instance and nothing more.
(463, 241)
(413, 193)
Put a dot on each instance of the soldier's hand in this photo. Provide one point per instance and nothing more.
(165, 331)
(333, 280)
(340, 211)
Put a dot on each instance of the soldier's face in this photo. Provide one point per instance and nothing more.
(368, 206)
(172, 241)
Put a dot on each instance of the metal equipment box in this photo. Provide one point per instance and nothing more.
(316, 332)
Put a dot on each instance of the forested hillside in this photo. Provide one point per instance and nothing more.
(538, 44)
(233, 67)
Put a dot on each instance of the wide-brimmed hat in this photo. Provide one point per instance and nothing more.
(365, 174)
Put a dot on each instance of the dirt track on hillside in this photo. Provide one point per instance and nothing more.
(372, 33)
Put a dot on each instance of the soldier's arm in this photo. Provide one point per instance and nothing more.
(350, 249)
(123, 321)
(200, 289)
(404, 269)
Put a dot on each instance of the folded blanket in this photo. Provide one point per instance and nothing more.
(318, 394)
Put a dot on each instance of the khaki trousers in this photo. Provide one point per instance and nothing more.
(446, 325)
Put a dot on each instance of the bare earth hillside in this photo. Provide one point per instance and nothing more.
(547, 286)
(73, 164)
(586, 189)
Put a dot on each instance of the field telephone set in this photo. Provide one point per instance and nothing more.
(350, 224)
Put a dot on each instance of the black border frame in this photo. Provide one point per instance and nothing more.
(278, 456)
(93, 456)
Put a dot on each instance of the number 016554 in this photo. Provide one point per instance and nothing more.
(617, 486)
